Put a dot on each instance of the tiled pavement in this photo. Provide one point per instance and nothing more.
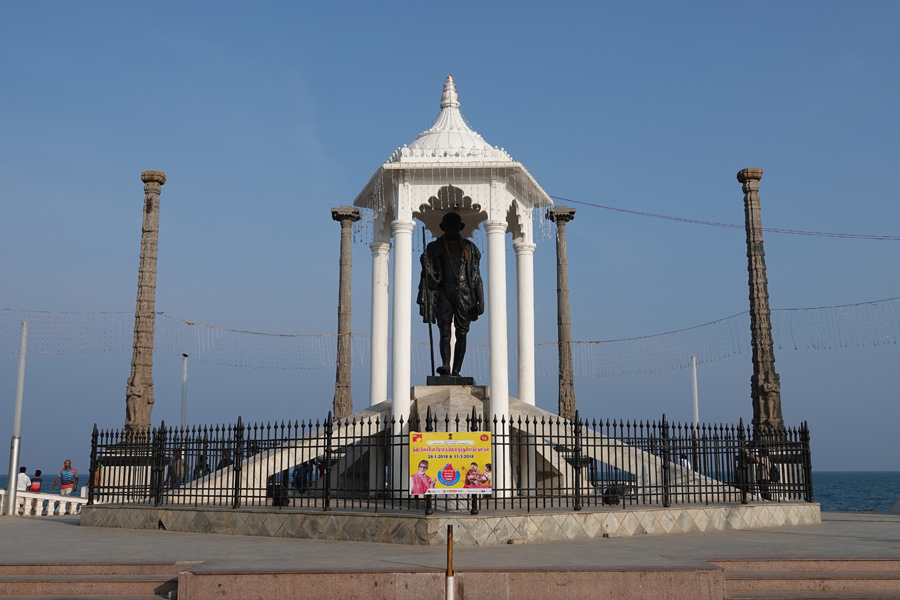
(46, 540)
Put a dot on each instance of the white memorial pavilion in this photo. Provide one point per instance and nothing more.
(449, 167)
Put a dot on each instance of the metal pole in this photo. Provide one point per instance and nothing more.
(449, 588)
(696, 401)
(184, 392)
(9, 507)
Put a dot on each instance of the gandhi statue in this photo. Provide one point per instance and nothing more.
(450, 290)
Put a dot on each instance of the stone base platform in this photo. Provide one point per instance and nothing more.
(486, 529)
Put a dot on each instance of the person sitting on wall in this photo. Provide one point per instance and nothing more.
(35, 487)
(23, 482)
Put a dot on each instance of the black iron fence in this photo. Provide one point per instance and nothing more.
(364, 464)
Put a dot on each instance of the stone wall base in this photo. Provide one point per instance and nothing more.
(486, 529)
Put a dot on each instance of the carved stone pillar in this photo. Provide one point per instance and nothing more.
(343, 399)
(139, 390)
(765, 388)
(562, 215)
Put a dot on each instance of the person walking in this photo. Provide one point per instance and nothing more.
(67, 480)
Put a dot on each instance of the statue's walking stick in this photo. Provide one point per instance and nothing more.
(430, 332)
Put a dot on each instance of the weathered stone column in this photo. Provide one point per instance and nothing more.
(562, 215)
(765, 388)
(343, 398)
(139, 390)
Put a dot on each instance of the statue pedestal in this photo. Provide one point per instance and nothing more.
(449, 380)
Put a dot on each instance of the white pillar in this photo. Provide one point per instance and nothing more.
(400, 404)
(378, 362)
(496, 234)
(402, 317)
(525, 299)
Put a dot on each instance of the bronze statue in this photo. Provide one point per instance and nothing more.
(450, 290)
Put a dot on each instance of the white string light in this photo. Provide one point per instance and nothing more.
(874, 323)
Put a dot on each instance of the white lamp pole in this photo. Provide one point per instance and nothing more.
(9, 506)
(184, 391)
(696, 401)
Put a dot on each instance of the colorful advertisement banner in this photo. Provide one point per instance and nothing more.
(450, 463)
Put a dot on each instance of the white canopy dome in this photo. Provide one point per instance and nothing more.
(450, 139)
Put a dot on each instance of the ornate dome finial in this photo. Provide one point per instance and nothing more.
(449, 99)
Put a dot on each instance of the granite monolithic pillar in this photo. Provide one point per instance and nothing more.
(343, 398)
(139, 389)
(562, 215)
(765, 388)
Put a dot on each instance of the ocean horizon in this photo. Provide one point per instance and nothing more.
(836, 491)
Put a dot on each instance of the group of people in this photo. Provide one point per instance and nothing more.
(476, 478)
(67, 481)
(306, 473)
(766, 472)
(178, 470)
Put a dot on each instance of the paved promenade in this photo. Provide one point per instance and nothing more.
(62, 540)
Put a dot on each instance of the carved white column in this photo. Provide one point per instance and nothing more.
(496, 234)
(378, 363)
(525, 309)
(400, 355)
(400, 402)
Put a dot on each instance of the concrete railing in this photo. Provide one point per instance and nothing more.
(47, 505)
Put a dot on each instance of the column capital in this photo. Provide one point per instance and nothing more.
(495, 227)
(524, 247)
(402, 227)
(380, 248)
(560, 214)
(153, 177)
(345, 213)
(745, 175)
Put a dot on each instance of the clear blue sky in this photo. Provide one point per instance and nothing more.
(265, 115)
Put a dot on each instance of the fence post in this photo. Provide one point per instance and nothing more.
(473, 426)
(238, 463)
(329, 430)
(667, 462)
(743, 474)
(807, 463)
(158, 462)
(429, 427)
(94, 435)
(577, 455)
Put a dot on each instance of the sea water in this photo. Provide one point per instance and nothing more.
(850, 491)
(837, 491)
